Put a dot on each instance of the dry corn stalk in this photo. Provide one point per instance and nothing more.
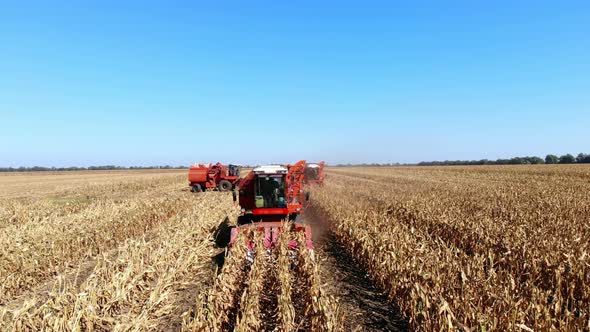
(490, 248)
(139, 285)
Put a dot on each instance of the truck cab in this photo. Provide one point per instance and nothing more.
(269, 187)
(272, 193)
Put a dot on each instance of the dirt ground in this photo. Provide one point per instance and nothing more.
(365, 306)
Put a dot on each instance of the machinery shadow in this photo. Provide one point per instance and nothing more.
(222, 234)
(219, 260)
(221, 237)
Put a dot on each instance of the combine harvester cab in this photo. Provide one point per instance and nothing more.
(314, 173)
(271, 198)
(211, 176)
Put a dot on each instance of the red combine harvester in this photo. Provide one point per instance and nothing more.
(314, 173)
(269, 195)
(211, 176)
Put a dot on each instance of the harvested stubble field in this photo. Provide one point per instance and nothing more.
(432, 248)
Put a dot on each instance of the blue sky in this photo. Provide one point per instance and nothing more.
(141, 83)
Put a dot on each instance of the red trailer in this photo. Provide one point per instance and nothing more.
(314, 173)
(211, 176)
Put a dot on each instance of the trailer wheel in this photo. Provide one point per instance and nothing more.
(224, 185)
(197, 188)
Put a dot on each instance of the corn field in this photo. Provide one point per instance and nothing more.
(278, 291)
(135, 254)
(496, 248)
(470, 248)
(114, 255)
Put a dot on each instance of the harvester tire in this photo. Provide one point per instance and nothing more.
(197, 188)
(224, 185)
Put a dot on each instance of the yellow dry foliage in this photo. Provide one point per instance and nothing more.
(133, 252)
(470, 248)
(120, 255)
(278, 290)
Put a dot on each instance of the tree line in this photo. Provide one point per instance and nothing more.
(582, 158)
(89, 168)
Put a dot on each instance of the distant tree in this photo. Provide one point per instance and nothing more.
(534, 160)
(551, 159)
(583, 158)
(567, 159)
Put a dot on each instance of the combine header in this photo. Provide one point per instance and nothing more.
(269, 197)
(314, 173)
(211, 176)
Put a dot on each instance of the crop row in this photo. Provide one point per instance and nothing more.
(469, 250)
(141, 285)
(279, 290)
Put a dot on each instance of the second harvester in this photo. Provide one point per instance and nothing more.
(314, 173)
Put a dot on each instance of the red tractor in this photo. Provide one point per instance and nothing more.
(269, 196)
(209, 176)
(314, 173)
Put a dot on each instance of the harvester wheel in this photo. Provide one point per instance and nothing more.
(197, 188)
(224, 185)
